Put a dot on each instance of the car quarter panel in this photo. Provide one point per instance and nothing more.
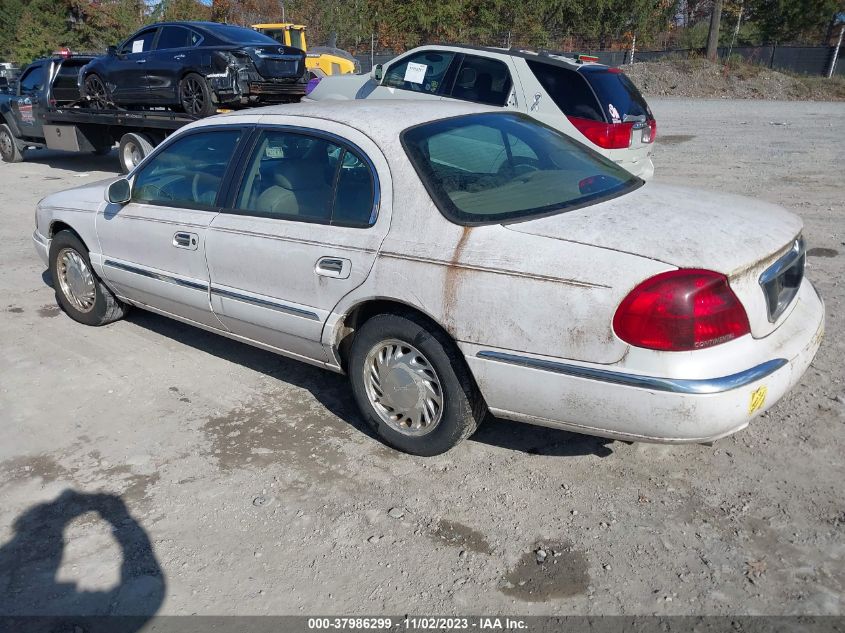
(488, 285)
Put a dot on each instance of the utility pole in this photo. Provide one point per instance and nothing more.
(713, 36)
(736, 30)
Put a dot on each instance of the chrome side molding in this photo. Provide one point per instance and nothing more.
(673, 385)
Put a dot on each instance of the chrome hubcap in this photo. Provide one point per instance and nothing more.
(5, 143)
(131, 155)
(403, 387)
(76, 280)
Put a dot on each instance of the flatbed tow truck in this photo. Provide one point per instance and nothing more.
(43, 109)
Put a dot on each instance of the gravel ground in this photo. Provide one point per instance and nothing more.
(235, 481)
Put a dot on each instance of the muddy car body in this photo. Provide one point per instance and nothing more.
(611, 306)
(195, 66)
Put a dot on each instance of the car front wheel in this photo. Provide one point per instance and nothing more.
(79, 291)
(195, 96)
(9, 151)
(98, 94)
(412, 385)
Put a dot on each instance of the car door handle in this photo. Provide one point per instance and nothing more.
(141, 61)
(336, 267)
(178, 57)
(186, 240)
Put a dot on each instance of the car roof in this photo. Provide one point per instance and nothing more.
(543, 57)
(381, 120)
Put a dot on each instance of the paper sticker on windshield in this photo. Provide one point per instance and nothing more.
(415, 73)
(274, 152)
(614, 113)
(138, 46)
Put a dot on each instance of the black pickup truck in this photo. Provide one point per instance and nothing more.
(43, 109)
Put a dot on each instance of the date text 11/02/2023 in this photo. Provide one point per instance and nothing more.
(422, 623)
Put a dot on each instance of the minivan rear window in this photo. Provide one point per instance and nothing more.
(568, 89)
(618, 96)
(508, 167)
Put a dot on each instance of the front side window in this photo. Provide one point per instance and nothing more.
(422, 72)
(141, 43)
(33, 80)
(187, 173)
(482, 80)
(172, 37)
(306, 178)
(488, 168)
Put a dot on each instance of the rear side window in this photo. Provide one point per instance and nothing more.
(618, 96)
(569, 90)
(172, 37)
(293, 176)
(482, 80)
(423, 72)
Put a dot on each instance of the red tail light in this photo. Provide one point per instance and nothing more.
(606, 135)
(681, 310)
(648, 137)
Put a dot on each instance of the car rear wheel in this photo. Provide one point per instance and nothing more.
(132, 150)
(412, 385)
(9, 151)
(79, 291)
(98, 95)
(195, 96)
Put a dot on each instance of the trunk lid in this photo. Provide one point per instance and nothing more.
(687, 228)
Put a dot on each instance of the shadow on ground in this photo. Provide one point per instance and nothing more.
(333, 392)
(72, 161)
(29, 564)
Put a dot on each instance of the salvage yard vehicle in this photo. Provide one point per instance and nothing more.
(41, 112)
(452, 260)
(319, 60)
(594, 104)
(195, 67)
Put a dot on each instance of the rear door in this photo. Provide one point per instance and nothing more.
(154, 247)
(421, 75)
(484, 80)
(303, 231)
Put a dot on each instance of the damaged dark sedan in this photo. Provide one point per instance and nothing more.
(195, 67)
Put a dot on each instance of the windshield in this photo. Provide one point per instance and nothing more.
(496, 167)
(240, 34)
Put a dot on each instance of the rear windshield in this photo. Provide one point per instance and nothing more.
(618, 96)
(507, 167)
(596, 93)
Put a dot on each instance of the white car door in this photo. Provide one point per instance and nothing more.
(153, 247)
(304, 229)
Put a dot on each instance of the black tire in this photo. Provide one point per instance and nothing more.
(105, 307)
(463, 407)
(132, 150)
(97, 93)
(195, 96)
(9, 151)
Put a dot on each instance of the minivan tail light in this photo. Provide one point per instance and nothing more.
(605, 135)
(681, 310)
(650, 132)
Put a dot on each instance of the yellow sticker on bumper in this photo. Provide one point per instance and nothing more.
(758, 399)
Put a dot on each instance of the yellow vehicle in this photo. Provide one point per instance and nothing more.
(320, 60)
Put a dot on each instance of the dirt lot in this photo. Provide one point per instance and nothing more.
(251, 487)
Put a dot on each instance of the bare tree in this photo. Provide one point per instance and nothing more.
(713, 35)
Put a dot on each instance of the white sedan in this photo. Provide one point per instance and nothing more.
(452, 260)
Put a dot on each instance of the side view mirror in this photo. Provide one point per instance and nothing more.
(119, 192)
(377, 73)
(111, 51)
